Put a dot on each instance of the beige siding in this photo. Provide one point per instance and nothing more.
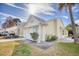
(12, 29)
(50, 29)
(61, 31)
(54, 27)
(32, 22)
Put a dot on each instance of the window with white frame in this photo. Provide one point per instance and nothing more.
(35, 28)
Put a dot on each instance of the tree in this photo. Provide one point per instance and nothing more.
(69, 8)
(9, 22)
(16, 20)
(17, 23)
(68, 27)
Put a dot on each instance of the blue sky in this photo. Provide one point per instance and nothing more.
(42, 10)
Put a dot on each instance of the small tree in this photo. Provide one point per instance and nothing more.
(34, 35)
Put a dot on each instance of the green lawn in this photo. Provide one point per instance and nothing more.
(22, 50)
(68, 48)
(60, 49)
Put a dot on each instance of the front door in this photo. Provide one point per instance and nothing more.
(27, 34)
(30, 30)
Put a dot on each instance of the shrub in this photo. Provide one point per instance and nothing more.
(51, 38)
(34, 35)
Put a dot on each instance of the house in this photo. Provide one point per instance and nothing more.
(77, 29)
(70, 32)
(42, 27)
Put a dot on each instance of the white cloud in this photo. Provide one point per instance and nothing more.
(66, 17)
(77, 21)
(34, 8)
(11, 4)
(6, 15)
(37, 8)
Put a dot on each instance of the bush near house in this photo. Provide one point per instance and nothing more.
(34, 36)
(51, 38)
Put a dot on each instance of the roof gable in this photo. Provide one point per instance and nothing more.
(33, 20)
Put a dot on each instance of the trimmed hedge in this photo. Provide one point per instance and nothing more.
(51, 38)
(34, 35)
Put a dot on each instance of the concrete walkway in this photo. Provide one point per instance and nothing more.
(7, 40)
(46, 45)
(42, 45)
(66, 40)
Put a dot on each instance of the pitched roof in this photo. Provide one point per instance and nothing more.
(39, 19)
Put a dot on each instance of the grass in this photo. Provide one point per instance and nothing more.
(69, 48)
(22, 50)
(6, 48)
(60, 49)
(14, 48)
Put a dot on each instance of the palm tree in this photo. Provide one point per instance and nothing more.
(69, 8)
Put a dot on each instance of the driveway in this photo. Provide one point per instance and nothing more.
(42, 45)
(68, 39)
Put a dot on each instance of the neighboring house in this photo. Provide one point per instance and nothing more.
(42, 27)
(10, 30)
(77, 28)
(70, 33)
(77, 25)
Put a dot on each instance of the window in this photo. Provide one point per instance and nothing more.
(35, 28)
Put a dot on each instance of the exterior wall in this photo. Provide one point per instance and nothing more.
(26, 32)
(32, 22)
(54, 27)
(20, 31)
(77, 29)
(49, 29)
(12, 29)
(30, 26)
(61, 31)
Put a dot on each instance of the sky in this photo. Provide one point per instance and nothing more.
(46, 11)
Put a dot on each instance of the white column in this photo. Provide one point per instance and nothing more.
(40, 34)
(43, 34)
(18, 28)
